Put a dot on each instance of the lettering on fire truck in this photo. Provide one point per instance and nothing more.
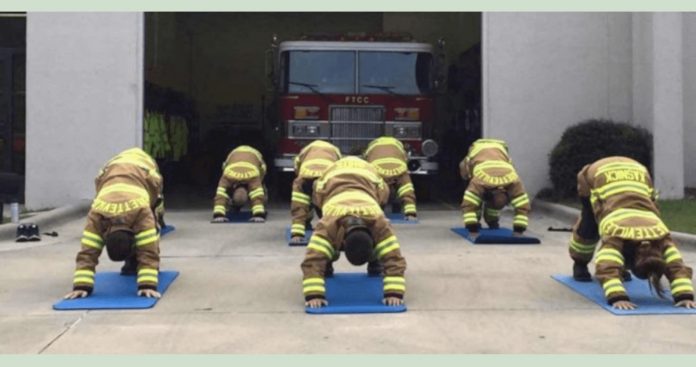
(357, 99)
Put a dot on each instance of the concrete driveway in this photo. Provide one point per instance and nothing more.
(240, 292)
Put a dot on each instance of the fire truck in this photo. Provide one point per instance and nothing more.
(351, 89)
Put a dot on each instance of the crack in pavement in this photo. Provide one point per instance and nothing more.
(70, 327)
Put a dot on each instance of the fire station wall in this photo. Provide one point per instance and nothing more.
(84, 100)
(689, 43)
(543, 72)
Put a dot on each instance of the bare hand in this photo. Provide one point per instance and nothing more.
(220, 220)
(624, 305)
(473, 235)
(257, 219)
(411, 218)
(297, 239)
(517, 234)
(687, 303)
(149, 293)
(393, 301)
(76, 294)
(316, 303)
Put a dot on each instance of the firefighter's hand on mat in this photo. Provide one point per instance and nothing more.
(257, 219)
(393, 301)
(624, 305)
(297, 239)
(76, 294)
(517, 234)
(149, 293)
(411, 218)
(316, 303)
(220, 220)
(687, 303)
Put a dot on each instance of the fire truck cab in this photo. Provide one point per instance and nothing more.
(351, 91)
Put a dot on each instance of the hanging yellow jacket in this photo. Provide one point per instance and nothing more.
(389, 157)
(310, 164)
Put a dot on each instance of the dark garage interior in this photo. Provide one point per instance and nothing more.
(206, 81)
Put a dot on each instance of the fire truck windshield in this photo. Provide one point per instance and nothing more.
(377, 72)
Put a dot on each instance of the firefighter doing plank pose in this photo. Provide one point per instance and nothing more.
(350, 193)
(310, 164)
(388, 155)
(242, 180)
(618, 207)
(122, 219)
(493, 182)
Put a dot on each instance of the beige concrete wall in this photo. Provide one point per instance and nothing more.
(84, 100)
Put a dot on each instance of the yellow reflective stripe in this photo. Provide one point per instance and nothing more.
(386, 246)
(146, 237)
(672, 258)
(493, 212)
(364, 172)
(614, 289)
(248, 149)
(91, 243)
(620, 214)
(609, 255)
(146, 233)
(390, 172)
(472, 198)
(298, 229)
(314, 289)
(92, 236)
(489, 144)
(148, 278)
(251, 166)
(352, 195)
(470, 218)
(620, 165)
(313, 281)
(259, 208)
(493, 164)
(147, 271)
(611, 282)
(84, 272)
(405, 189)
(581, 247)
(671, 254)
(301, 198)
(394, 283)
(319, 244)
(409, 208)
(520, 201)
(222, 192)
(680, 285)
(219, 209)
(256, 193)
(122, 187)
(385, 141)
(83, 280)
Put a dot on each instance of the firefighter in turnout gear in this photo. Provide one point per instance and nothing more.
(350, 193)
(493, 183)
(388, 155)
(618, 208)
(310, 164)
(242, 180)
(122, 218)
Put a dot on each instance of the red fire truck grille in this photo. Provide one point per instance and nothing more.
(352, 128)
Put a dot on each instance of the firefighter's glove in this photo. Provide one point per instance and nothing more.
(76, 294)
(316, 303)
(687, 303)
(149, 293)
(393, 301)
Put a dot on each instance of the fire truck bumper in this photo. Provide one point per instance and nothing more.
(416, 165)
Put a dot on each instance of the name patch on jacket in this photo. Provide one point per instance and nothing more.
(119, 207)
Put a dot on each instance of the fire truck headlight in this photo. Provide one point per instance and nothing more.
(303, 130)
(429, 148)
(407, 131)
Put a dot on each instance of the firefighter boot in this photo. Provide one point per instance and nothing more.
(374, 268)
(580, 272)
(130, 266)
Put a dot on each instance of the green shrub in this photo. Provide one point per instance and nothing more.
(592, 140)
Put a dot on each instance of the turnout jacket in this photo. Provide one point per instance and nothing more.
(128, 188)
(487, 166)
(310, 164)
(244, 166)
(619, 208)
(389, 157)
(351, 187)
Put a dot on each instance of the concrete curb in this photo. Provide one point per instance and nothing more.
(48, 219)
(570, 215)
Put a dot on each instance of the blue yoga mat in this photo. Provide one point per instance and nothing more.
(354, 293)
(113, 291)
(239, 217)
(288, 236)
(167, 229)
(638, 290)
(501, 236)
(398, 218)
